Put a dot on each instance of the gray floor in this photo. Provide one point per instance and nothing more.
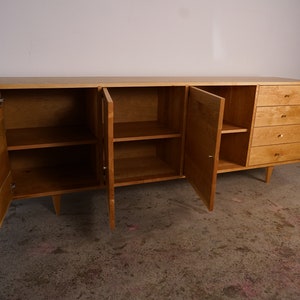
(166, 245)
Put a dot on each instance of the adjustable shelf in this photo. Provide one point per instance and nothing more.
(230, 128)
(148, 130)
(141, 170)
(227, 166)
(44, 137)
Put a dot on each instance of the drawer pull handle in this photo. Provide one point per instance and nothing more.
(283, 116)
(286, 96)
(277, 154)
(280, 135)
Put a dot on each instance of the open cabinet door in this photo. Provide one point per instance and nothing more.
(203, 137)
(5, 172)
(109, 154)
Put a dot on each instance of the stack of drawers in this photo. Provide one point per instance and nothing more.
(276, 134)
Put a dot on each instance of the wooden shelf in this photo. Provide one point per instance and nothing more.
(142, 169)
(227, 166)
(135, 131)
(52, 180)
(45, 137)
(229, 128)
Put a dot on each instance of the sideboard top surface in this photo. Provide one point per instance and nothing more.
(94, 82)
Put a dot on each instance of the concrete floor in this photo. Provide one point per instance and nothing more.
(166, 245)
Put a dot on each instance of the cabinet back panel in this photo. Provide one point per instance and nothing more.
(134, 104)
(170, 151)
(93, 112)
(152, 160)
(44, 108)
(134, 149)
(171, 106)
(234, 148)
(240, 109)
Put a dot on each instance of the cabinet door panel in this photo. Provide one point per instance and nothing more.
(203, 135)
(5, 174)
(108, 113)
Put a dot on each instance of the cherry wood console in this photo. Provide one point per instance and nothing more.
(62, 135)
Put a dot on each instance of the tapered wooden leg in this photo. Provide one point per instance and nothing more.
(269, 171)
(56, 203)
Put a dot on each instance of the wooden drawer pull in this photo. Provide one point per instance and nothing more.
(280, 135)
(277, 154)
(283, 116)
(286, 96)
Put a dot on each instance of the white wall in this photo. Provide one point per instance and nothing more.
(149, 37)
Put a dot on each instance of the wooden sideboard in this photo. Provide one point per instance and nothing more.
(62, 135)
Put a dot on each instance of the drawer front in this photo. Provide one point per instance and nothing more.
(278, 95)
(276, 135)
(274, 154)
(277, 115)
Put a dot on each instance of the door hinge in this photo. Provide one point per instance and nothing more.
(104, 170)
(12, 187)
(104, 173)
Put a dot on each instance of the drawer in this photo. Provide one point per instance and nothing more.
(277, 115)
(274, 154)
(276, 135)
(278, 95)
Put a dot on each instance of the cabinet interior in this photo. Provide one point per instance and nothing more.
(34, 109)
(150, 160)
(148, 133)
(237, 120)
(52, 139)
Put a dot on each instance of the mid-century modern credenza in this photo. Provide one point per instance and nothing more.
(62, 135)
